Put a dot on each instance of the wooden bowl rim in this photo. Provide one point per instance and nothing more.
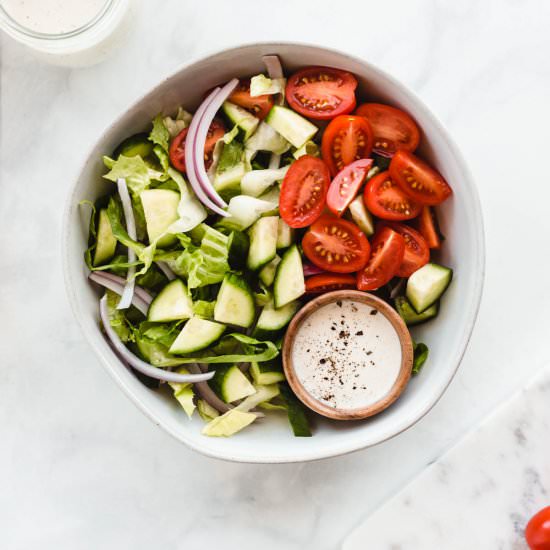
(406, 355)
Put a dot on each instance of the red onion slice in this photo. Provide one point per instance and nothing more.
(138, 291)
(163, 266)
(273, 65)
(128, 293)
(212, 108)
(310, 269)
(105, 282)
(190, 159)
(139, 365)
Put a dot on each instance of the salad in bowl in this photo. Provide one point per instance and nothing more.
(221, 222)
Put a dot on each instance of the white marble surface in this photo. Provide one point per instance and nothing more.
(481, 493)
(80, 466)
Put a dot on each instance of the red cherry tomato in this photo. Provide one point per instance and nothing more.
(388, 249)
(417, 252)
(177, 147)
(303, 191)
(346, 139)
(393, 129)
(336, 245)
(259, 106)
(329, 281)
(345, 186)
(428, 226)
(537, 532)
(321, 92)
(386, 200)
(420, 181)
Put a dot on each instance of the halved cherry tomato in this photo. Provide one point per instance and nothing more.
(346, 139)
(177, 147)
(417, 252)
(537, 532)
(418, 180)
(259, 106)
(388, 249)
(336, 245)
(393, 129)
(329, 281)
(303, 191)
(428, 227)
(386, 199)
(345, 186)
(321, 92)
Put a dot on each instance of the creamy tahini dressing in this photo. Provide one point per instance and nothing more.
(53, 16)
(347, 355)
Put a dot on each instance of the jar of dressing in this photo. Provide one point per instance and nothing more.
(67, 32)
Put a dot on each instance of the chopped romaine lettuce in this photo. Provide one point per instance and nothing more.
(137, 173)
(254, 183)
(179, 123)
(262, 85)
(160, 134)
(421, 352)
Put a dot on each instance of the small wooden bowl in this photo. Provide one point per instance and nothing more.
(406, 355)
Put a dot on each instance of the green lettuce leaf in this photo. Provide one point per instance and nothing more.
(117, 318)
(232, 154)
(262, 85)
(114, 213)
(159, 134)
(177, 124)
(204, 309)
(421, 353)
(137, 173)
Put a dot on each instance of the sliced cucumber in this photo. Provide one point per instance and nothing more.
(229, 423)
(285, 235)
(426, 285)
(228, 182)
(267, 273)
(291, 125)
(409, 315)
(235, 302)
(105, 242)
(197, 334)
(241, 117)
(171, 304)
(263, 242)
(289, 280)
(136, 145)
(160, 207)
(361, 216)
(231, 384)
(268, 372)
(272, 321)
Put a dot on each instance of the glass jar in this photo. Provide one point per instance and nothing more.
(86, 44)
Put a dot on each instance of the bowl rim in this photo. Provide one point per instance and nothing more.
(303, 455)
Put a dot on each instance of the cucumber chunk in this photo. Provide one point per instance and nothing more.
(241, 117)
(285, 235)
(229, 423)
(136, 145)
(291, 125)
(231, 384)
(289, 280)
(171, 304)
(272, 321)
(228, 182)
(409, 315)
(426, 285)
(361, 216)
(197, 334)
(268, 372)
(105, 242)
(263, 242)
(235, 302)
(267, 273)
(160, 207)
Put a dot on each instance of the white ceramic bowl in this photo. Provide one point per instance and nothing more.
(271, 439)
